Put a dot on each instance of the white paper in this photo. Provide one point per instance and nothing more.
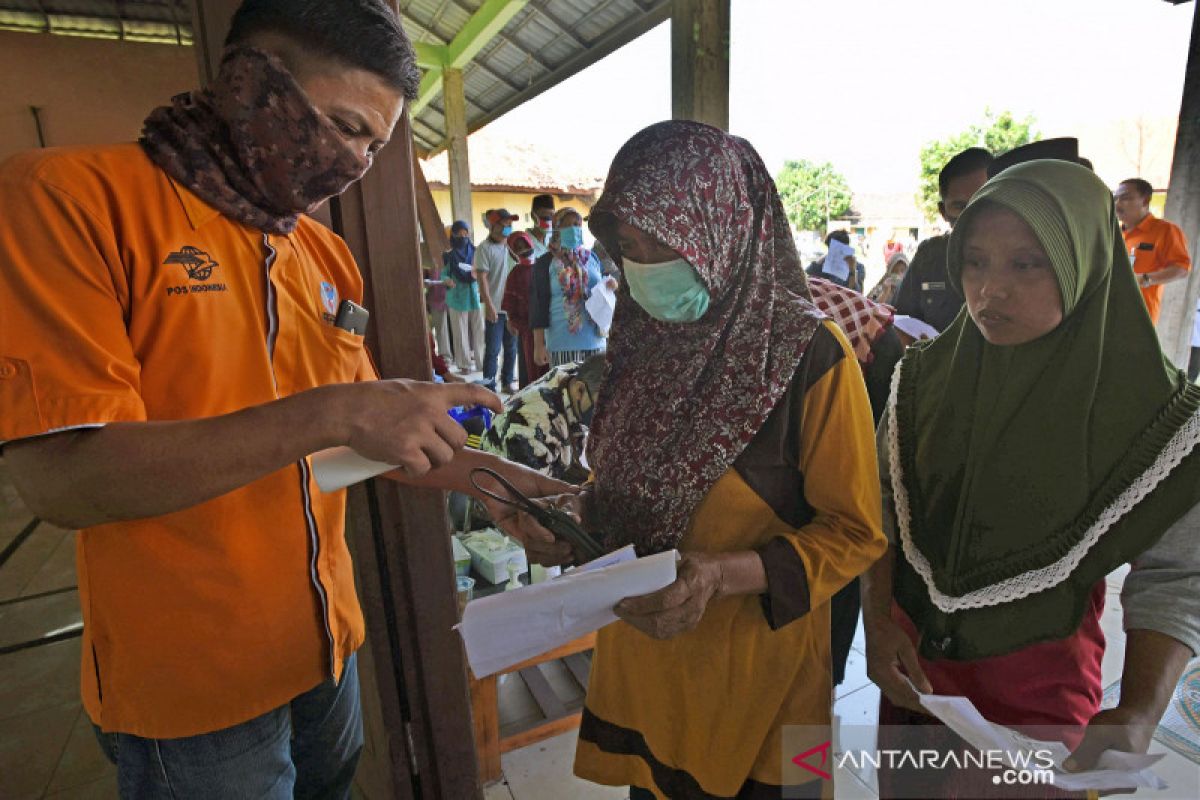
(916, 328)
(600, 305)
(1116, 770)
(835, 260)
(339, 467)
(510, 627)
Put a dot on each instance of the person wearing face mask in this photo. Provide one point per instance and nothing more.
(492, 266)
(563, 278)
(170, 356)
(733, 426)
(1064, 448)
(516, 306)
(462, 298)
(542, 213)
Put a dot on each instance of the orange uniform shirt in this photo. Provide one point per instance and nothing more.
(127, 298)
(1156, 244)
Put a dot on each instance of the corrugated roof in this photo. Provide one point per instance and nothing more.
(543, 44)
(161, 21)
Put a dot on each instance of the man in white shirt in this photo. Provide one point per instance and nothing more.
(492, 265)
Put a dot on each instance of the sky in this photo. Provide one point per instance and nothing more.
(864, 83)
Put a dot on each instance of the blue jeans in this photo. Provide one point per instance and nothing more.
(308, 748)
(496, 335)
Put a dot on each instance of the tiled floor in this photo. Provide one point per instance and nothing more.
(47, 748)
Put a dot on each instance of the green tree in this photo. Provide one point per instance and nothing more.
(812, 193)
(999, 133)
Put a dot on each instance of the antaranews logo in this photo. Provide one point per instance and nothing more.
(199, 266)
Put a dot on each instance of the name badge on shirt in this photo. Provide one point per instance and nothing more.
(1145, 246)
(933, 286)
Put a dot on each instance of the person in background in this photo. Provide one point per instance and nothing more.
(516, 306)
(732, 426)
(858, 273)
(492, 265)
(1043, 441)
(439, 312)
(563, 278)
(897, 267)
(1156, 247)
(541, 214)
(926, 293)
(462, 298)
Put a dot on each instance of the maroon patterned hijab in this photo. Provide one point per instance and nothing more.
(252, 145)
(681, 401)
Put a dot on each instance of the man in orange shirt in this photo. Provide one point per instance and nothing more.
(1156, 247)
(177, 338)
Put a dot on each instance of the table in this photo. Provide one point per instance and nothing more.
(557, 718)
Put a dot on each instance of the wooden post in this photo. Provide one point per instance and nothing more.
(1183, 208)
(432, 228)
(700, 61)
(210, 26)
(456, 151)
(404, 555)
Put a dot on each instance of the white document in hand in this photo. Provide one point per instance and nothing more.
(600, 305)
(510, 627)
(835, 260)
(1115, 770)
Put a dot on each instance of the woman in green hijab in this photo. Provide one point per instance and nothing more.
(1040, 442)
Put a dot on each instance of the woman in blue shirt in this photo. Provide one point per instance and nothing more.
(563, 278)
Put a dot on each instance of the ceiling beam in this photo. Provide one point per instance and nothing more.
(480, 29)
(430, 56)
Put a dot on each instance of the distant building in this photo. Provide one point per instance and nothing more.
(508, 174)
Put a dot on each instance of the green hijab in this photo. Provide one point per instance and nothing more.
(1025, 474)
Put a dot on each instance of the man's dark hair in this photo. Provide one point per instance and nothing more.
(1142, 187)
(840, 236)
(361, 33)
(542, 201)
(970, 160)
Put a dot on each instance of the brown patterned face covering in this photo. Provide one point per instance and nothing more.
(252, 144)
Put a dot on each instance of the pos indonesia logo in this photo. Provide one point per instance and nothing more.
(199, 266)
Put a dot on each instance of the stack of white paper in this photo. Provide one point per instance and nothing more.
(510, 627)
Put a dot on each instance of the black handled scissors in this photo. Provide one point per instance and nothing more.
(554, 520)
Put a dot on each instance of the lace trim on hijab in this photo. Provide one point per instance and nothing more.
(1027, 583)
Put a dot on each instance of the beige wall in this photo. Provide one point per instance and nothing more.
(91, 91)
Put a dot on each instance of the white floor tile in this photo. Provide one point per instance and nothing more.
(542, 771)
(497, 791)
(860, 707)
(1181, 775)
(850, 788)
(856, 674)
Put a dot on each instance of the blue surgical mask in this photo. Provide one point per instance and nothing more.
(506, 230)
(570, 237)
(670, 292)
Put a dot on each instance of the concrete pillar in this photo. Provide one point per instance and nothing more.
(1183, 208)
(700, 61)
(456, 151)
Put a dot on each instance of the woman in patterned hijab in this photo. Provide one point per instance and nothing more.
(734, 427)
